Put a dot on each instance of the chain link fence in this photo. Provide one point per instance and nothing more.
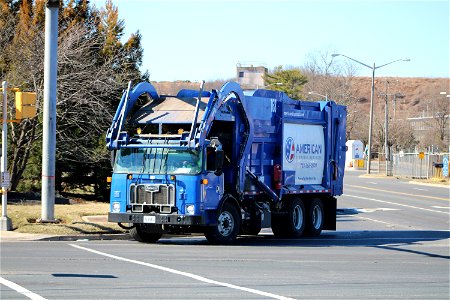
(413, 165)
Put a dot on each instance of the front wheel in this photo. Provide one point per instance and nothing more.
(144, 234)
(227, 228)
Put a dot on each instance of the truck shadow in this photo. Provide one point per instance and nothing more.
(407, 241)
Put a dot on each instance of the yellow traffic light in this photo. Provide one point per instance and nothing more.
(25, 105)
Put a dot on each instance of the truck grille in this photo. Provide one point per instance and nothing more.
(152, 195)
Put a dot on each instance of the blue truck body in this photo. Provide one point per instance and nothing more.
(225, 163)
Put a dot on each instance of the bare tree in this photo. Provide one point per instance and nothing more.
(86, 82)
(437, 120)
(329, 77)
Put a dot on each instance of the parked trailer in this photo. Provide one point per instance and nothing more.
(225, 164)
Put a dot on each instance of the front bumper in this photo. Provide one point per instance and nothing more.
(169, 219)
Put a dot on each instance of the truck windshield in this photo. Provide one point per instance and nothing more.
(157, 161)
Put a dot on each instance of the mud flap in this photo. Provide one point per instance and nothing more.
(330, 207)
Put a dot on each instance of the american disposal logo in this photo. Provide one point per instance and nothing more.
(290, 149)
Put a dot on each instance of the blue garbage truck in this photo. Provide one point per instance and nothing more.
(225, 163)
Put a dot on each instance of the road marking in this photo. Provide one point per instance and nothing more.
(186, 274)
(21, 289)
(419, 189)
(399, 204)
(398, 193)
(376, 221)
(371, 182)
(371, 210)
(444, 207)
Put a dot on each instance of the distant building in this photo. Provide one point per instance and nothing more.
(422, 127)
(249, 76)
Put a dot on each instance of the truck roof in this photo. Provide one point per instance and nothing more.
(170, 110)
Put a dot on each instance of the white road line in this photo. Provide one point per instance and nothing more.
(377, 221)
(21, 289)
(398, 193)
(443, 207)
(399, 204)
(371, 182)
(186, 274)
(419, 189)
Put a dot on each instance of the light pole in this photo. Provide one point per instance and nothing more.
(49, 111)
(315, 93)
(373, 68)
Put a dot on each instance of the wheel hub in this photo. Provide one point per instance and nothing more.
(226, 223)
(297, 217)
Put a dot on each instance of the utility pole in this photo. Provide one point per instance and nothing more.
(373, 68)
(386, 122)
(386, 125)
(49, 116)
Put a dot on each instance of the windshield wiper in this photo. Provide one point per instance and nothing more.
(144, 159)
(164, 160)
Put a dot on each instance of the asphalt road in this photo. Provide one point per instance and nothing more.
(392, 242)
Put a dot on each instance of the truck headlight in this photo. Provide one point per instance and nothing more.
(116, 207)
(190, 209)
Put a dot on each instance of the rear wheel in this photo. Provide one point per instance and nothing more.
(315, 218)
(227, 228)
(144, 234)
(291, 221)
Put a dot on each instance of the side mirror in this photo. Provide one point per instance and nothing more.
(214, 160)
(219, 162)
(113, 158)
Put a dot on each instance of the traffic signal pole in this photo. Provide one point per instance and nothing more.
(5, 224)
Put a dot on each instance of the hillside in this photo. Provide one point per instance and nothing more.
(414, 95)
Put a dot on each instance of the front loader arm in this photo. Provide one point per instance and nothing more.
(229, 89)
(115, 137)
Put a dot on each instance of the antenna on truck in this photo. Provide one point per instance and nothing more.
(197, 107)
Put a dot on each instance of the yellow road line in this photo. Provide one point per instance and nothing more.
(398, 193)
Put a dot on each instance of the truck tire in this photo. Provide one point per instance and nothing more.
(251, 229)
(315, 218)
(140, 234)
(227, 228)
(292, 222)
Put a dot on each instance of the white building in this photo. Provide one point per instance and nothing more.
(250, 77)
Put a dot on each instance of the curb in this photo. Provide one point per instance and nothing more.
(430, 184)
(11, 236)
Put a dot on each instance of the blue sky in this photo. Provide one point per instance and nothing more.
(195, 40)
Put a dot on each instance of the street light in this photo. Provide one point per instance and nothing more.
(373, 68)
(315, 93)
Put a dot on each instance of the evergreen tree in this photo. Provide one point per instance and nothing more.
(111, 28)
(289, 81)
(39, 13)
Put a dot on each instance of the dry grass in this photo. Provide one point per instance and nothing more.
(24, 217)
(418, 92)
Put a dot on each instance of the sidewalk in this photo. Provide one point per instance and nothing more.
(406, 179)
(8, 236)
(13, 236)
